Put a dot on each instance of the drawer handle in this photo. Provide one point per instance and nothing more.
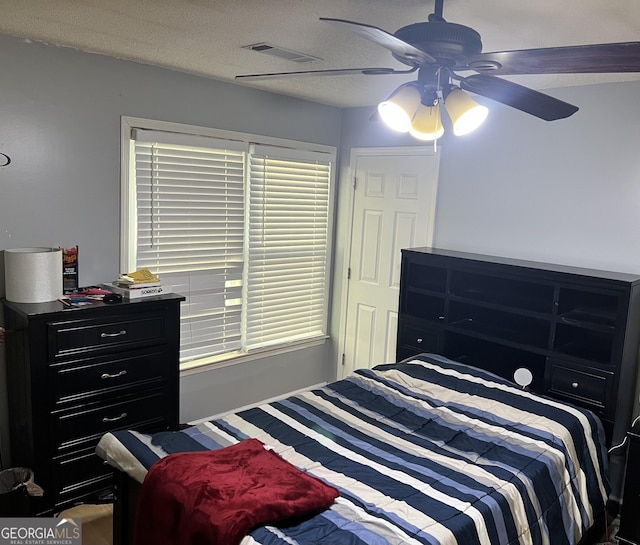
(419, 340)
(574, 385)
(105, 376)
(106, 419)
(118, 334)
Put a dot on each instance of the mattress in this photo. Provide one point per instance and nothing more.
(426, 451)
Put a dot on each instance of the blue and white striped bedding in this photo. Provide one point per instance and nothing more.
(426, 451)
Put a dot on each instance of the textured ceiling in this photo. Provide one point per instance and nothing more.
(205, 37)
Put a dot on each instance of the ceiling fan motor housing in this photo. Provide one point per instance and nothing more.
(448, 43)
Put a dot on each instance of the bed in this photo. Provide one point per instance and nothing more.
(425, 451)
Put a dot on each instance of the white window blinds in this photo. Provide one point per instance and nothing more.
(190, 231)
(244, 236)
(288, 234)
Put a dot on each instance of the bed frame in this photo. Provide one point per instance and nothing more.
(125, 502)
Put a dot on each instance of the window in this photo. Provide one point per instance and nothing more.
(238, 226)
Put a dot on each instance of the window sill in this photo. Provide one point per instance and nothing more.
(209, 364)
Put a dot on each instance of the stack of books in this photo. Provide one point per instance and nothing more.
(142, 283)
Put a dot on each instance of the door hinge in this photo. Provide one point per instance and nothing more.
(355, 182)
(343, 359)
(349, 273)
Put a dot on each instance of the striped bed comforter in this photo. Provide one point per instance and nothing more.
(427, 451)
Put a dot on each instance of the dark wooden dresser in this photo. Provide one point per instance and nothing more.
(577, 330)
(74, 374)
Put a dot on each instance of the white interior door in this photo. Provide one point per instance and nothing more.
(393, 208)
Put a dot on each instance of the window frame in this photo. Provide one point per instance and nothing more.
(128, 218)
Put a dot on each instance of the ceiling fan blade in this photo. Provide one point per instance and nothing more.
(334, 72)
(579, 59)
(518, 97)
(401, 50)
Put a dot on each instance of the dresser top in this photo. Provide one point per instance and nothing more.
(51, 307)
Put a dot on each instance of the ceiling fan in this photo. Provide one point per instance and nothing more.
(442, 52)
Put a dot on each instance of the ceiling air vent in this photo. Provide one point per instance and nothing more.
(279, 52)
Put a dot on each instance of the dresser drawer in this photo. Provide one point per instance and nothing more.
(106, 375)
(74, 475)
(591, 387)
(81, 428)
(81, 472)
(116, 332)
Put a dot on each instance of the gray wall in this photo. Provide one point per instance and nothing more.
(60, 124)
(566, 191)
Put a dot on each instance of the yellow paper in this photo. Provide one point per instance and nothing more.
(141, 276)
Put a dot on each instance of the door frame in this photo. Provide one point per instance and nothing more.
(356, 153)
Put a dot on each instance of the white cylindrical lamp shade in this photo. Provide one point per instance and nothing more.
(426, 124)
(397, 111)
(465, 113)
(33, 275)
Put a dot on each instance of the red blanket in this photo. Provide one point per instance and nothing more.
(216, 497)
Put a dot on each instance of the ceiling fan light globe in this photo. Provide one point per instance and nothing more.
(394, 116)
(470, 121)
(426, 123)
(398, 110)
(465, 113)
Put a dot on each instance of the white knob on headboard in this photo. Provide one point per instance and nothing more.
(523, 377)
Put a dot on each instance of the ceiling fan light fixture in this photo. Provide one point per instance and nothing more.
(398, 110)
(426, 123)
(465, 113)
